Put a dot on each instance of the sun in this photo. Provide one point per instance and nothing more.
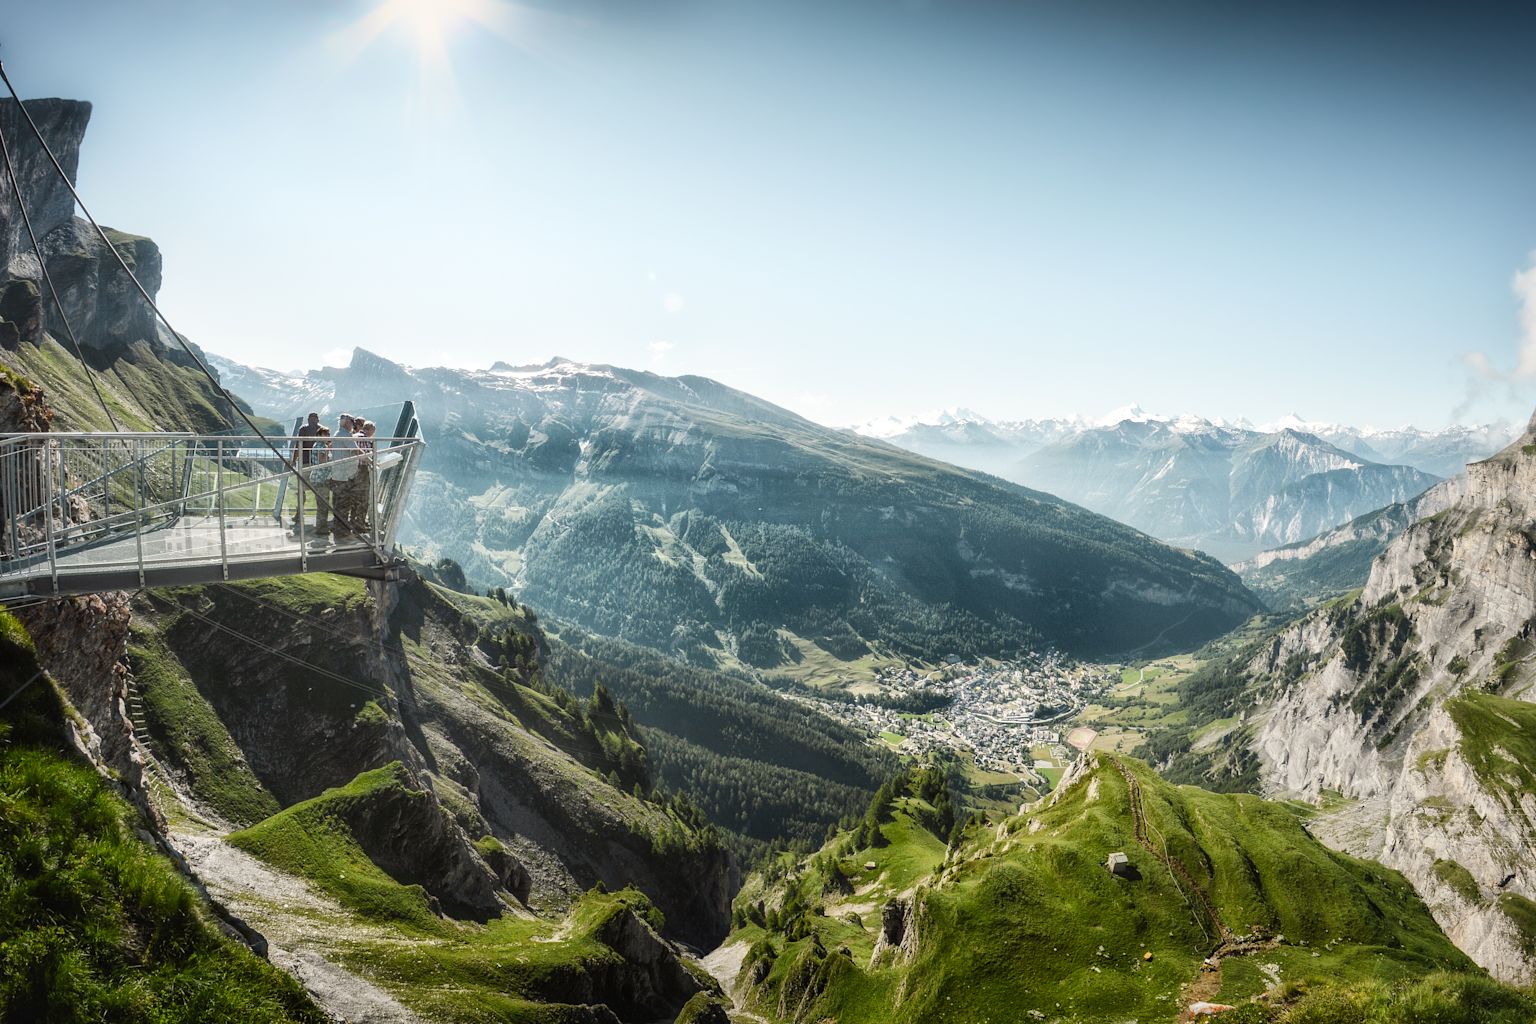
(429, 24)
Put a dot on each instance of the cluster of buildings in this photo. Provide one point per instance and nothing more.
(1002, 713)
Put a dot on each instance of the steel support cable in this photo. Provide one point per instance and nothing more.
(22, 688)
(382, 645)
(419, 660)
(58, 303)
(372, 691)
(213, 379)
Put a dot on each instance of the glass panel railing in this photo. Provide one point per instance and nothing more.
(74, 505)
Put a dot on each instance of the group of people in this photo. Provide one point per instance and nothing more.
(342, 488)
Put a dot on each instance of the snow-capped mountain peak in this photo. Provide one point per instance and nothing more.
(1132, 413)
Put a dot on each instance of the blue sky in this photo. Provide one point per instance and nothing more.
(853, 209)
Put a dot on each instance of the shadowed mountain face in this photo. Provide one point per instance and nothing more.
(688, 516)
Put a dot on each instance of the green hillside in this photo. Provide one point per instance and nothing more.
(1022, 920)
(94, 923)
(689, 517)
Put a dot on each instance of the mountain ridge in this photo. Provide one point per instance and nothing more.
(1377, 444)
(1224, 487)
(914, 914)
(702, 503)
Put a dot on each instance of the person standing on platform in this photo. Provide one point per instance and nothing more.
(305, 450)
(344, 479)
(320, 483)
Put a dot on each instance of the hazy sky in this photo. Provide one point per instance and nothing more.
(850, 208)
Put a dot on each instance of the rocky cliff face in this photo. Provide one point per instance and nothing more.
(1382, 700)
(147, 377)
(99, 300)
(62, 123)
(397, 676)
(81, 641)
(1335, 561)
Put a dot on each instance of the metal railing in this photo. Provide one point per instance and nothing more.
(77, 509)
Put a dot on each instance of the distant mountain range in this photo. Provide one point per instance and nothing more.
(1228, 488)
(684, 515)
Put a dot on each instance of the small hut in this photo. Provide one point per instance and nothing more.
(1119, 865)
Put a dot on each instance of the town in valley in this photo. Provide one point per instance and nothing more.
(1011, 717)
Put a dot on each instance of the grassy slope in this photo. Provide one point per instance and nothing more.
(191, 734)
(511, 969)
(1029, 920)
(312, 840)
(144, 391)
(94, 925)
(1498, 739)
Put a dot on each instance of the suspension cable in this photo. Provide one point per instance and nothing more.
(372, 691)
(58, 303)
(284, 457)
(411, 658)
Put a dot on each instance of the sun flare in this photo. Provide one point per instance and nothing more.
(429, 25)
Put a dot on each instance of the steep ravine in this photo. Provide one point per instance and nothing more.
(1414, 696)
(456, 816)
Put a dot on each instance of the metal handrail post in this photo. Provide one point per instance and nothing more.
(219, 487)
(373, 499)
(298, 490)
(53, 554)
(187, 464)
(63, 499)
(13, 505)
(138, 505)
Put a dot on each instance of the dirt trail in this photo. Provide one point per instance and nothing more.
(297, 923)
(1207, 983)
(724, 963)
(1139, 820)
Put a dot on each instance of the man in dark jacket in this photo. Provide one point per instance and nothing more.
(305, 451)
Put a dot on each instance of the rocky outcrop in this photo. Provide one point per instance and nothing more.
(1362, 694)
(103, 307)
(404, 830)
(510, 873)
(652, 981)
(704, 1008)
(82, 641)
(901, 926)
(62, 123)
(23, 406)
(141, 367)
